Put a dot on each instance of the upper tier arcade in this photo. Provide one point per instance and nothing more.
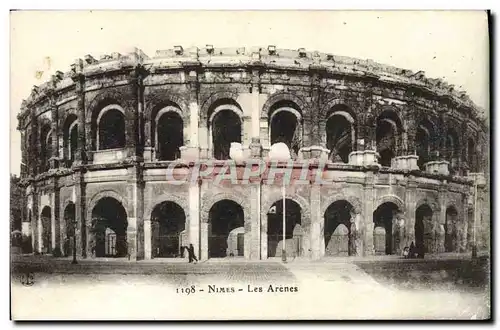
(351, 112)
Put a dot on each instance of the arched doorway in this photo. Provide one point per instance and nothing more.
(293, 229)
(385, 234)
(424, 142)
(423, 228)
(450, 226)
(111, 129)
(340, 135)
(169, 230)
(109, 229)
(46, 216)
(226, 128)
(225, 229)
(69, 220)
(388, 135)
(339, 240)
(169, 131)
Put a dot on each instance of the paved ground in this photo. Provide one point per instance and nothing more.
(358, 288)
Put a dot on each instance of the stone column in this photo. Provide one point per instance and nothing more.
(132, 114)
(263, 229)
(317, 223)
(255, 145)
(83, 140)
(54, 159)
(440, 220)
(148, 240)
(197, 130)
(82, 231)
(56, 216)
(368, 208)
(410, 206)
(34, 220)
(254, 216)
(33, 151)
(311, 125)
(194, 218)
(135, 202)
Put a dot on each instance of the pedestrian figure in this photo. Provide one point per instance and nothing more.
(412, 250)
(191, 254)
(406, 252)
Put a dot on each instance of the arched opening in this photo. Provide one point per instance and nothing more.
(385, 233)
(424, 142)
(69, 220)
(170, 135)
(70, 138)
(169, 227)
(111, 128)
(109, 229)
(46, 221)
(388, 133)
(423, 228)
(46, 145)
(285, 122)
(338, 233)
(226, 128)
(471, 152)
(452, 150)
(450, 226)
(340, 135)
(225, 220)
(293, 229)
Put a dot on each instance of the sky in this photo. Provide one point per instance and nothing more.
(452, 45)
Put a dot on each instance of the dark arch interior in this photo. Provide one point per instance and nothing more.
(386, 137)
(423, 143)
(171, 222)
(46, 216)
(423, 221)
(226, 128)
(224, 217)
(170, 136)
(286, 129)
(452, 150)
(293, 218)
(471, 146)
(112, 130)
(337, 230)
(69, 220)
(339, 138)
(46, 144)
(450, 229)
(385, 238)
(109, 229)
(70, 139)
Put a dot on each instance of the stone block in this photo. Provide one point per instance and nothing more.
(408, 162)
(438, 167)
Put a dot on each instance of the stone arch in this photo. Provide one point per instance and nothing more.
(325, 109)
(213, 98)
(354, 201)
(105, 193)
(168, 197)
(66, 114)
(104, 98)
(279, 97)
(391, 199)
(161, 99)
(210, 201)
(431, 202)
(301, 201)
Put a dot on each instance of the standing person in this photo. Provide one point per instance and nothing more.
(191, 254)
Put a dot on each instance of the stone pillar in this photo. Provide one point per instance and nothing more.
(254, 216)
(83, 140)
(194, 219)
(148, 240)
(54, 159)
(82, 231)
(410, 206)
(311, 127)
(440, 219)
(317, 223)
(197, 137)
(34, 220)
(132, 114)
(33, 151)
(256, 107)
(56, 216)
(368, 208)
(135, 201)
(263, 230)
